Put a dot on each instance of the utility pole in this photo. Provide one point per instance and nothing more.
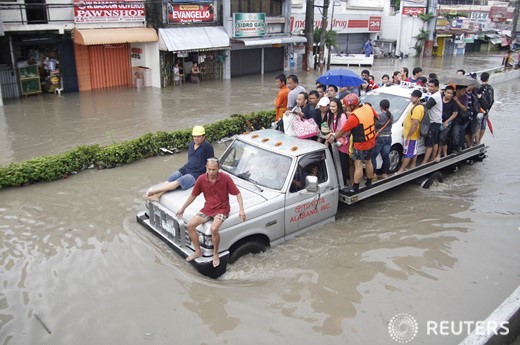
(323, 33)
(516, 5)
(308, 61)
(331, 26)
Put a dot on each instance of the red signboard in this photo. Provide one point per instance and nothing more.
(190, 13)
(374, 24)
(354, 23)
(413, 11)
(96, 11)
(341, 24)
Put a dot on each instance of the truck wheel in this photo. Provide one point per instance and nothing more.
(436, 176)
(396, 154)
(253, 247)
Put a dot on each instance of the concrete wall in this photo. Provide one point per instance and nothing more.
(149, 58)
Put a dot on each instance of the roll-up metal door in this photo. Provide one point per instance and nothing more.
(110, 65)
(273, 59)
(246, 62)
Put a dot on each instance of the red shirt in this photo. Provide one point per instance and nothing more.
(216, 194)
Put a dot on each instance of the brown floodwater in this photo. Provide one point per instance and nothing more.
(73, 256)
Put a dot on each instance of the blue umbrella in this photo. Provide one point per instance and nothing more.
(341, 78)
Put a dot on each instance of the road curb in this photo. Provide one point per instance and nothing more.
(509, 311)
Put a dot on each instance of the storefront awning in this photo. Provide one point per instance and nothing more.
(89, 37)
(193, 39)
(495, 40)
(270, 40)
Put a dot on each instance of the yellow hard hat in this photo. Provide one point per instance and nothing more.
(198, 130)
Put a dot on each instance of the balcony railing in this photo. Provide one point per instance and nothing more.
(36, 13)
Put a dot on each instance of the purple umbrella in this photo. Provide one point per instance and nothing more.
(341, 78)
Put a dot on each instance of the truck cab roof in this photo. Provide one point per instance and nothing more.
(276, 141)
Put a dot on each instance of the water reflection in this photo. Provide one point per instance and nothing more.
(209, 304)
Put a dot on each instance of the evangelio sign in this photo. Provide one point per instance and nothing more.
(190, 13)
(108, 11)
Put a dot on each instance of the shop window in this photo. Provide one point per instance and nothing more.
(255, 6)
(36, 11)
(270, 7)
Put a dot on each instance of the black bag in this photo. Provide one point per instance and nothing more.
(279, 126)
(424, 127)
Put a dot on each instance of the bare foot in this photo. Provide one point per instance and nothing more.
(193, 256)
(384, 176)
(437, 159)
(152, 197)
(216, 260)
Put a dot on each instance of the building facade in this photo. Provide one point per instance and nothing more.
(72, 46)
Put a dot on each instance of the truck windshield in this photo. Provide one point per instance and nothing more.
(398, 104)
(259, 166)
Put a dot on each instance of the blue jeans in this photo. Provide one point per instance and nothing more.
(383, 145)
(186, 181)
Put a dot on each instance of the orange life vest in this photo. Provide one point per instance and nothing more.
(366, 129)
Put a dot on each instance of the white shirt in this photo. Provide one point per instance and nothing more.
(436, 110)
(176, 76)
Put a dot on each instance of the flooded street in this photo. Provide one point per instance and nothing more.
(74, 260)
(50, 124)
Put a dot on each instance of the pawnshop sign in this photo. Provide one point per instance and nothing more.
(96, 11)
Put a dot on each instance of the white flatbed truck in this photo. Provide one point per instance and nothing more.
(288, 185)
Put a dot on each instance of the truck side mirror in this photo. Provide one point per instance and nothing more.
(311, 183)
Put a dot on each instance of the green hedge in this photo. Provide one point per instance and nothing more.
(51, 168)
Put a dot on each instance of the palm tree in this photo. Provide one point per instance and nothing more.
(331, 40)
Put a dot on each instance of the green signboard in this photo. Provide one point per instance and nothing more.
(248, 25)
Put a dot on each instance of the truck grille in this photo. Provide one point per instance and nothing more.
(165, 223)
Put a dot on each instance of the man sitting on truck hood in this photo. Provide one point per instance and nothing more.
(216, 187)
(361, 124)
(199, 150)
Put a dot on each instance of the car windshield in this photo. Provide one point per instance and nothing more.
(398, 104)
(261, 167)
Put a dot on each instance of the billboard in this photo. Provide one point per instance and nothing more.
(415, 3)
(249, 25)
(99, 11)
(342, 23)
(190, 13)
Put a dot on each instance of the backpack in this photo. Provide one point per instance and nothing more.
(424, 127)
(488, 95)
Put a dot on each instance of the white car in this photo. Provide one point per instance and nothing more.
(400, 105)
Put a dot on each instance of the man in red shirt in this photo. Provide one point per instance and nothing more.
(216, 187)
(361, 124)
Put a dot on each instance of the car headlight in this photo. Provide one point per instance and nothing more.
(205, 241)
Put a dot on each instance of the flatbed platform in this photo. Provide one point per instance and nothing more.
(475, 153)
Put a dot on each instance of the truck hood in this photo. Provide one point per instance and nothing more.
(174, 200)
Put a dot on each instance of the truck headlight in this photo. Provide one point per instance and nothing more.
(205, 241)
